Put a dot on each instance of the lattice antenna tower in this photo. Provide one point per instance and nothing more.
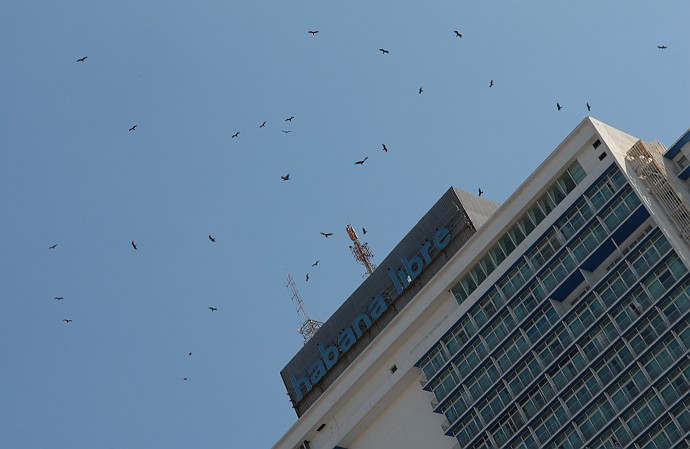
(309, 326)
(361, 251)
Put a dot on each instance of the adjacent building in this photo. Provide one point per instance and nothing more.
(558, 319)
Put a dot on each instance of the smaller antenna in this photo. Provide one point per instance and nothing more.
(309, 326)
(361, 251)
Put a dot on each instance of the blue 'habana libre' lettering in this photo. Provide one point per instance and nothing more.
(412, 268)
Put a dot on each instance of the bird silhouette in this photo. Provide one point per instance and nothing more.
(67, 321)
(58, 298)
(307, 278)
(263, 124)
(362, 161)
(480, 192)
(313, 33)
(558, 106)
(661, 47)
(286, 177)
(237, 134)
(326, 234)
(384, 147)
(133, 128)
(491, 83)
(288, 131)
(315, 263)
(289, 119)
(421, 90)
(457, 33)
(589, 108)
(213, 309)
(364, 231)
(383, 51)
(211, 238)
(82, 59)
(134, 245)
(184, 378)
(53, 246)
(190, 353)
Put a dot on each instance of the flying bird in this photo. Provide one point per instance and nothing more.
(289, 119)
(558, 106)
(326, 234)
(211, 238)
(589, 108)
(480, 192)
(237, 134)
(661, 47)
(190, 353)
(315, 263)
(383, 51)
(313, 33)
(307, 279)
(184, 378)
(384, 147)
(53, 246)
(213, 309)
(134, 245)
(491, 83)
(364, 230)
(286, 177)
(67, 321)
(288, 131)
(59, 298)
(362, 161)
(133, 128)
(82, 59)
(263, 124)
(421, 90)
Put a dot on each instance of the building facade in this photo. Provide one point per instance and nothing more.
(560, 321)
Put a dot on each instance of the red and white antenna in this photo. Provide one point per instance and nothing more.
(309, 326)
(361, 251)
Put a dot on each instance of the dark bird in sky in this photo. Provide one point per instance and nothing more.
(53, 246)
(661, 47)
(134, 245)
(558, 106)
(307, 279)
(384, 147)
(491, 83)
(59, 298)
(480, 192)
(289, 119)
(288, 131)
(184, 378)
(589, 108)
(326, 234)
(362, 161)
(190, 353)
(457, 33)
(67, 321)
(286, 177)
(313, 33)
(383, 51)
(211, 238)
(315, 263)
(421, 90)
(133, 128)
(213, 309)
(237, 134)
(263, 124)
(82, 59)
(364, 230)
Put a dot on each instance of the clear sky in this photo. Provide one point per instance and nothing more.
(191, 74)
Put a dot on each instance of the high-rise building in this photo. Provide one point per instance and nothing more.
(557, 320)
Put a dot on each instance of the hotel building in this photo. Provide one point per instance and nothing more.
(558, 319)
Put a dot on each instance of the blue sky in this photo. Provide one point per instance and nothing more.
(192, 74)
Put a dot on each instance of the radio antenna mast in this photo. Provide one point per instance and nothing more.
(309, 326)
(361, 251)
